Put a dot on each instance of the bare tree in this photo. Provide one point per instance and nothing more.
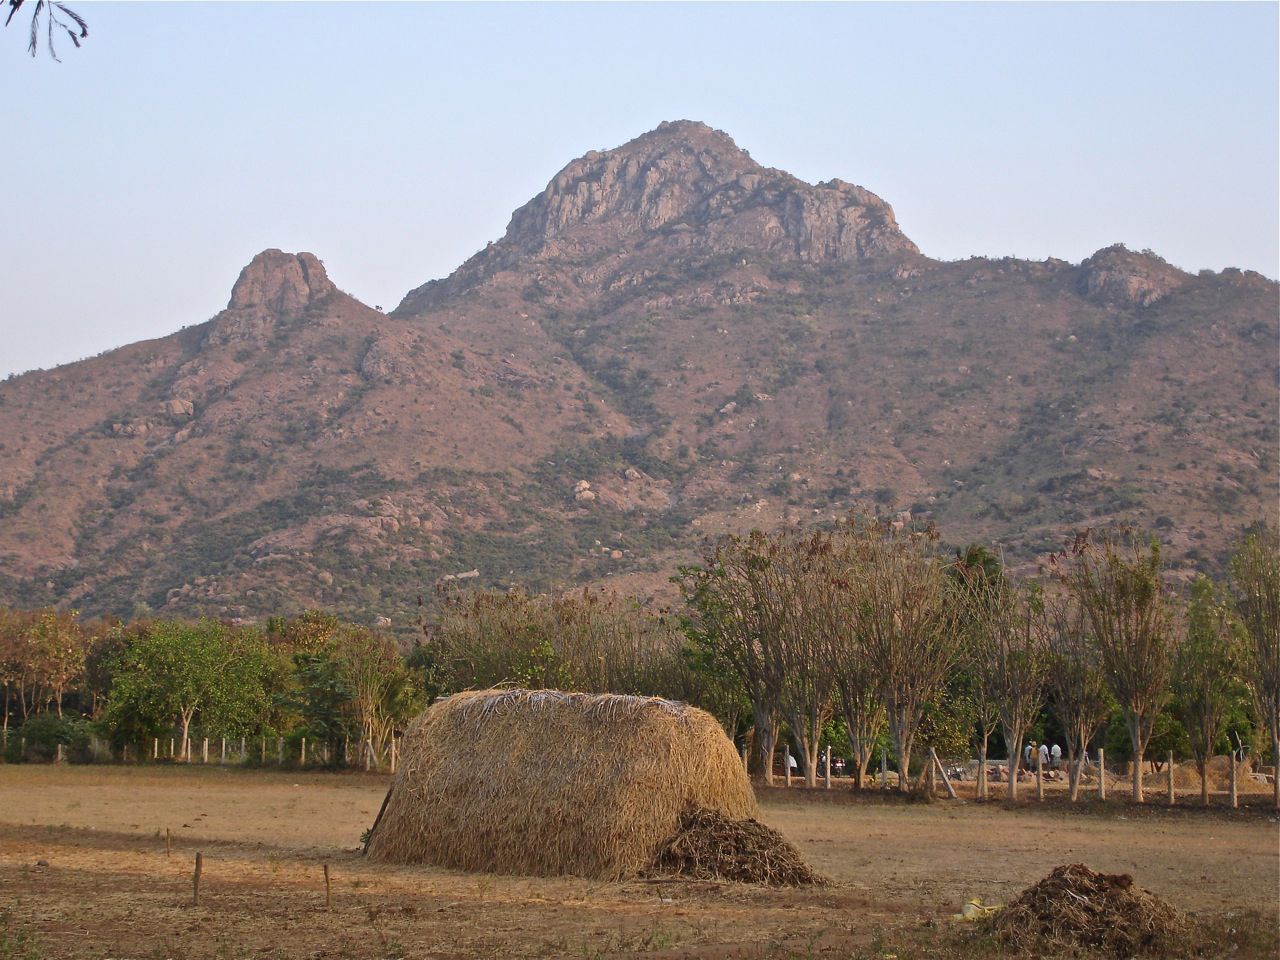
(975, 567)
(1077, 687)
(1117, 580)
(725, 618)
(908, 622)
(795, 579)
(855, 683)
(1255, 581)
(1005, 621)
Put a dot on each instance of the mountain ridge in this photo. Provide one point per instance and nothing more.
(655, 351)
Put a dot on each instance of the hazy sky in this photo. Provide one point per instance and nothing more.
(394, 140)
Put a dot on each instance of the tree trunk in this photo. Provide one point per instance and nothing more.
(902, 753)
(1013, 739)
(863, 762)
(1075, 766)
(982, 768)
(186, 743)
(764, 740)
(862, 737)
(1275, 760)
(1139, 732)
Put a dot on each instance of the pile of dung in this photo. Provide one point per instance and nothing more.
(1075, 907)
(711, 846)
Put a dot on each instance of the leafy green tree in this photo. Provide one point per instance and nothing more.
(380, 692)
(173, 671)
(1206, 674)
(1255, 584)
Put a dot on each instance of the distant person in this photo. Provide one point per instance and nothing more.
(1027, 753)
(1056, 757)
(1044, 755)
(791, 762)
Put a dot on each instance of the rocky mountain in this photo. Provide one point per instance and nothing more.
(670, 341)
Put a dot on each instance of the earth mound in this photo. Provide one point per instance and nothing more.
(1075, 907)
(710, 846)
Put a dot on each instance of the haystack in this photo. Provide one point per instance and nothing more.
(544, 782)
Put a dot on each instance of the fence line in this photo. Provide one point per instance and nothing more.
(291, 752)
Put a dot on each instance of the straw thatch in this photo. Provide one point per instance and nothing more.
(544, 782)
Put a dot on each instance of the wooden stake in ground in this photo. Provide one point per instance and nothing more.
(155, 748)
(826, 773)
(302, 757)
(1235, 796)
(1039, 776)
(280, 750)
(204, 750)
(946, 781)
(1171, 801)
(786, 762)
(222, 758)
(195, 881)
(395, 751)
(1102, 774)
(328, 891)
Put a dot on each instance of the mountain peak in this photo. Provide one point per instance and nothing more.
(280, 283)
(273, 287)
(688, 178)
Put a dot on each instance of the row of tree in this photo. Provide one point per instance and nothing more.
(863, 632)
(876, 623)
(313, 675)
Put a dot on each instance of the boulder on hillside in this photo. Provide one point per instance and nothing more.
(1116, 276)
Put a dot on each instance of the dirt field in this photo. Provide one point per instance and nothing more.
(899, 871)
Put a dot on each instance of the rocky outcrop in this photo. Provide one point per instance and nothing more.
(282, 283)
(1116, 276)
(274, 286)
(683, 183)
(385, 361)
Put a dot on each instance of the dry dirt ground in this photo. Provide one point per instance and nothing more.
(106, 887)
